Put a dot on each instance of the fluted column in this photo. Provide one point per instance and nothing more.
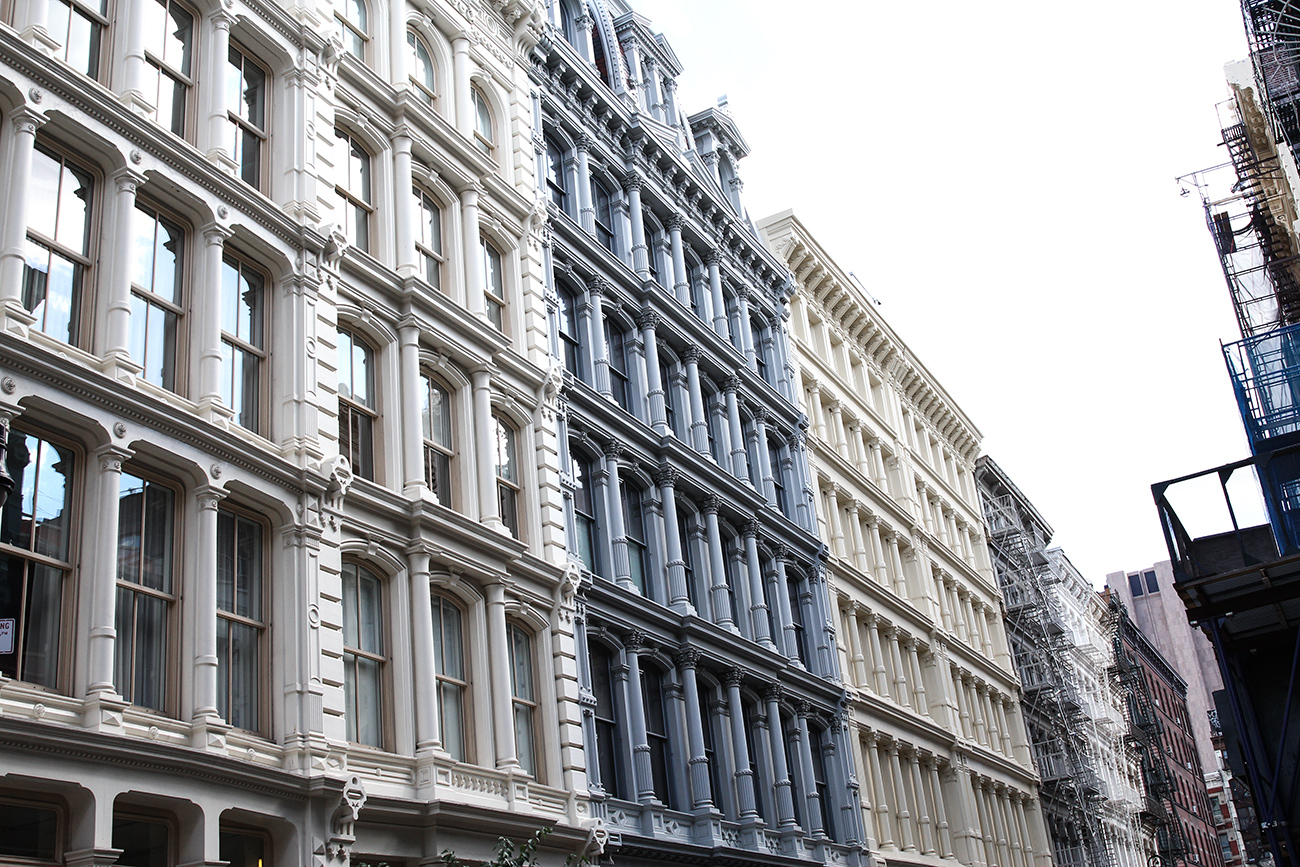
(499, 665)
(740, 748)
(859, 547)
(678, 596)
(882, 675)
(739, 460)
(701, 797)
(648, 321)
(807, 780)
(896, 562)
(204, 600)
(787, 644)
(919, 704)
(922, 807)
(758, 607)
(746, 330)
(642, 775)
(720, 325)
(881, 571)
(900, 675)
(720, 591)
(902, 811)
(776, 734)
(941, 814)
(681, 275)
(884, 822)
(699, 418)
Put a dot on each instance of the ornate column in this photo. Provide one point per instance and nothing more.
(596, 290)
(836, 522)
(648, 322)
(614, 514)
(22, 144)
(766, 472)
(782, 784)
(413, 483)
(1004, 726)
(475, 285)
(859, 547)
(808, 782)
(963, 627)
(945, 594)
(214, 82)
(863, 455)
(489, 507)
(884, 824)
(720, 326)
(640, 253)
(837, 422)
(987, 846)
(403, 189)
(204, 599)
(787, 640)
(975, 696)
(919, 703)
(99, 562)
(460, 83)
(701, 798)
(903, 811)
(699, 418)
(720, 591)
(944, 830)
(499, 665)
(995, 735)
(681, 275)
(642, 775)
(881, 571)
(963, 702)
(758, 608)
(740, 748)
(678, 596)
(900, 693)
(878, 465)
(981, 619)
(922, 808)
(1007, 844)
(207, 332)
(896, 562)
(423, 655)
(739, 460)
(882, 675)
(746, 329)
(805, 509)
(857, 659)
(927, 513)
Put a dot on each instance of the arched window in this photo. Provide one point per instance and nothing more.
(507, 473)
(352, 18)
(429, 241)
(146, 590)
(608, 747)
(357, 413)
(435, 417)
(568, 26)
(603, 201)
(453, 682)
(363, 655)
(523, 697)
(169, 42)
(570, 336)
(669, 386)
(778, 476)
(634, 531)
(616, 348)
(58, 261)
(246, 115)
(600, 60)
(494, 285)
(656, 730)
(243, 341)
(555, 179)
(483, 136)
(795, 588)
(241, 625)
(36, 544)
(354, 192)
(420, 64)
(158, 254)
(584, 515)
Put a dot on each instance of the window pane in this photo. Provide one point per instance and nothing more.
(143, 844)
(350, 630)
(243, 850)
(369, 613)
(451, 698)
(521, 664)
(148, 681)
(368, 695)
(242, 658)
(524, 739)
(28, 832)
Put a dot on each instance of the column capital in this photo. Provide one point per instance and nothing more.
(127, 180)
(634, 640)
(208, 497)
(773, 693)
(27, 120)
(675, 222)
(598, 286)
(734, 677)
(632, 181)
(761, 415)
(731, 384)
(666, 476)
(712, 257)
(751, 529)
(584, 142)
(215, 234)
(712, 503)
(691, 355)
(111, 457)
(688, 657)
(648, 319)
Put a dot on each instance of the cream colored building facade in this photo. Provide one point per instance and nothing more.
(273, 346)
(943, 763)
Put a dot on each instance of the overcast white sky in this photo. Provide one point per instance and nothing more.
(1001, 176)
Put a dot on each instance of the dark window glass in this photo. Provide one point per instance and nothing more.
(607, 734)
(1135, 584)
(570, 341)
(28, 832)
(244, 849)
(143, 844)
(1153, 586)
(604, 216)
(656, 729)
(634, 531)
(584, 513)
(616, 344)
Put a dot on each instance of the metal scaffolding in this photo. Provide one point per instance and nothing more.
(1054, 710)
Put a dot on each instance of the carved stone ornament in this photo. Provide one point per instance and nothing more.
(9, 384)
(119, 429)
(337, 849)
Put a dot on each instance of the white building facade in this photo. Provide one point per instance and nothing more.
(284, 567)
(942, 760)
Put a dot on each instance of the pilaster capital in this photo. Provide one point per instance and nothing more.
(761, 415)
(111, 457)
(26, 121)
(633, 181)
(732, 384)
(712, 257)
(584, 142)
(751, 529)
(634, 640)
(691, 355)
(127, 180)
(208, 498)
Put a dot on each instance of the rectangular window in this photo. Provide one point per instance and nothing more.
(240, 623)
(146, 545)
(428, 218)
(57, 262)
(1153, 586)
(243, 300)
(363, 655)
(449, 662)
(435, 416)
(357, 414)
(28, 831)
(144, 843)
(36, 529)
(507, 475)
(524, 700)
(1135, 584)
(246, 115)
(606, 714)
(157, 266)
(244, 848)
(656, 729)
(78, 26)
(616, 344)
(494, 287)
(354, 192)
(584, 515)
(169, 40)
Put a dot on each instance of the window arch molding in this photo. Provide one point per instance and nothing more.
(512, 415)
(507, 246)
(605, 43)
(439, 52)
(385, 375)
(488, 88)
(377, 143)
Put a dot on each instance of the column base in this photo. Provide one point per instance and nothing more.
(208, 733)
(118, 365)
(40, 39)
(16, 318)
(213, 411)
(103, 712)
(223, 160)
(92, 857)
(137, 102)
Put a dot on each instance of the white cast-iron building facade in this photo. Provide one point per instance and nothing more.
(942, 760)
(711, 703)
(273, 349)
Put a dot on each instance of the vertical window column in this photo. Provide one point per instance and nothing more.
(500, 681)
(878, 464)
(489, 510)
(896, 564)
(788, 643)
(881, 568)
(640, 252)
(739, 460)
(720, 326)
(596, 290)
(424, 667)
(701, 798)
(883, 820)
(919, 702)
(614, 512)
(836, 408)
(23, 123)
(805, 511)
(746, 330)
(135, 67)
(922, 806)
(747, 809)
(681, 276)
(902, 812)
(586, 207)
(104, 495)
(780, 772)
(977, 697)
(717, 567)
(861, 554)
(944, 831)
(678, 594)
(214, 84)
(807, 752)
(699, 418)
(472, 250)
(208, 324)
(857, 659)
(642, 772)
(408, 260)
(766, 472)
(648, 322)
(863, 452)
(814, 411)
(927, 513)
(413, 470)
(902, 694)
(204, 601)
(877, 654)
(758, 610)
(461, 82)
